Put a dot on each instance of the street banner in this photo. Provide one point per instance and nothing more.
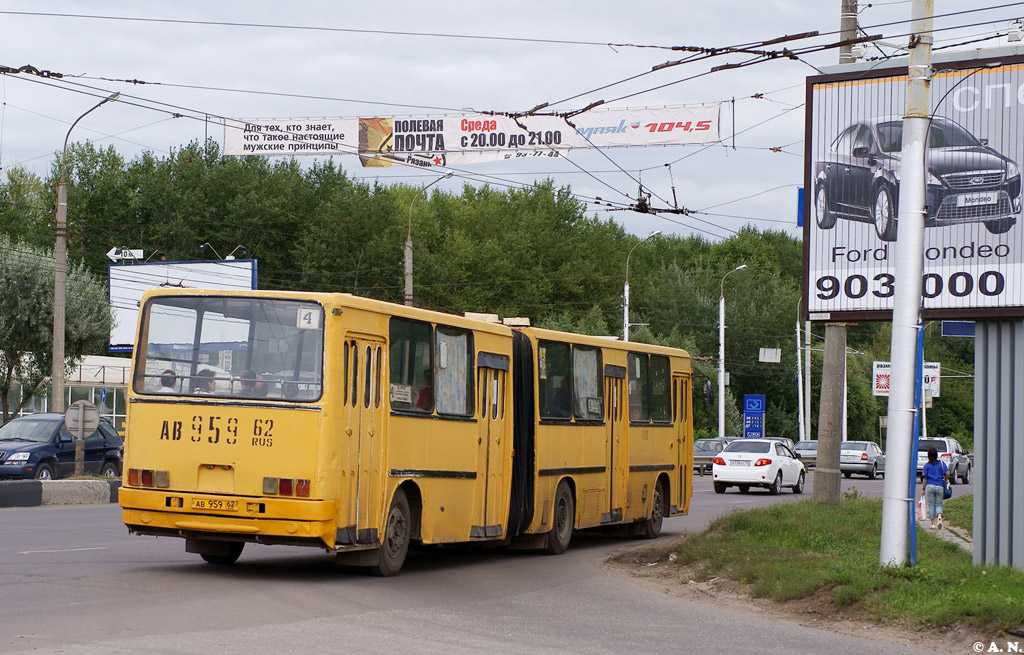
(459, 139)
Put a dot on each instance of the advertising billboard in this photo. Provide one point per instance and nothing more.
(973, 239)
(456, 139)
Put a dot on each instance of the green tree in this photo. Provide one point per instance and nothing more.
(26, 319)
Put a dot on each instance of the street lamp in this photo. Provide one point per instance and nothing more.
(721, 353)
(625, 288)
(60, 271)
(408, 240)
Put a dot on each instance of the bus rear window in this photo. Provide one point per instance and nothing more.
(231, 347)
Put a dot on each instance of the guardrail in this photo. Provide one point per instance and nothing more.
(32, 493)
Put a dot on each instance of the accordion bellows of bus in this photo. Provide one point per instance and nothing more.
(359, 427)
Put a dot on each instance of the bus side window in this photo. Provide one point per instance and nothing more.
(369, 374)
(355, 372)
(377, 379)
(344, 377)
(453, 371)
(411, 367)
(659, 388)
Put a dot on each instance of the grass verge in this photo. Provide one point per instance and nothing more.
(959, 511)
(797, 550)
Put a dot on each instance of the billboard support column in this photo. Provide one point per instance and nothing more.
(906, 315)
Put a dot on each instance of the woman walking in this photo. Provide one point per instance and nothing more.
(934, 482)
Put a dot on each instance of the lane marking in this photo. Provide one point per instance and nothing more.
(65, 550)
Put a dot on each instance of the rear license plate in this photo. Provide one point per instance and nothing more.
(975, 199)
(215, 504)
(739, 462)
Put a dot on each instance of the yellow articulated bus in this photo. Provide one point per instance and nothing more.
(359, 427)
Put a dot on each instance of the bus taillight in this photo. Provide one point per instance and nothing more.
(149, 478)
(286, 487)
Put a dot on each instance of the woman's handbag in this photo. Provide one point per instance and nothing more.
(947, 490)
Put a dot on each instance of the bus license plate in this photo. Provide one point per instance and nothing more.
(215, 504)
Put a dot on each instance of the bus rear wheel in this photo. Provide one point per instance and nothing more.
(234, 551)
(565, 517)
(396, 537)
(651, 527)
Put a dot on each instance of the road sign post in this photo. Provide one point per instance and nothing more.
(82, 418)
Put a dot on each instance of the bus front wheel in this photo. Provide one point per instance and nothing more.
(565, 517)
(396, 537)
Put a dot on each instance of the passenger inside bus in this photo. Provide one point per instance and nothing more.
(247, 382)
(167, 380)
(559, 405)
(204, 382)
(424, 395)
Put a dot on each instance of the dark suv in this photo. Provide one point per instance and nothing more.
(968, 182)
(39, 446)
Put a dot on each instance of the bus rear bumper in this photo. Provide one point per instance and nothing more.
(166, 513)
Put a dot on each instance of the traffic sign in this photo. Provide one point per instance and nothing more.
(753, 404)
(115, 254)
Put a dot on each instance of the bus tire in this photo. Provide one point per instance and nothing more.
(234, 552)
(562, 523)
(650, 528)
(395, 545)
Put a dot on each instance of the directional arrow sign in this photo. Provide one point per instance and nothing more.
(115, 254)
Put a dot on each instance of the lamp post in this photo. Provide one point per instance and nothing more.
(625, 288)
(60, 270)
(721, 352)
(408, 240)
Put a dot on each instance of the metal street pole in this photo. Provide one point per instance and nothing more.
(408, 241)
(60, 272)
(721, 352)
(625, 287)
(799, 381)
(897, 500)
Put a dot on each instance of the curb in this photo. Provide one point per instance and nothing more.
(33, 493)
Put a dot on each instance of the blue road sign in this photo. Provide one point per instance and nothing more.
(753, 404)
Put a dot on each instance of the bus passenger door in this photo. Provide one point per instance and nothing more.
(684, 444)
(492, 379)
(363, 401)
(615, 443)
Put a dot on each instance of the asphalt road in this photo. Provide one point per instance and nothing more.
(73, 581)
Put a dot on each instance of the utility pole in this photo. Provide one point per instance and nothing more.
(60, 271)
(830, 416)
(898, 495)
(830, 413)
(847, 30)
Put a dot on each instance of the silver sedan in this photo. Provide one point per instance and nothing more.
(863, 457)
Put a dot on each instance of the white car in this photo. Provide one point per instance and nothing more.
(748, 463)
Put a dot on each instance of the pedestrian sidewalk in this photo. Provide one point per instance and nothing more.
(952, 534)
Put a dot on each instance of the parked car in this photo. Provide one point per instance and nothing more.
(956, 458)
(747, 463)
(704, 451)
(864, 457)
(968, 181)
(40, 446)
(807, 449)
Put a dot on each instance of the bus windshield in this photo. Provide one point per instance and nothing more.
(231, 347)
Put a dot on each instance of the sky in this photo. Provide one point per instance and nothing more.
(307, 59)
